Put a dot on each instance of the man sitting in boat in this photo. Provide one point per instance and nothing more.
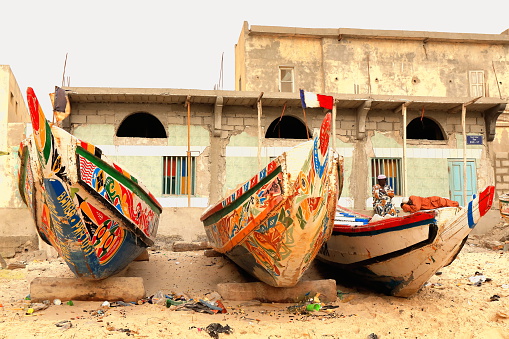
(415, 203)
(382, 198)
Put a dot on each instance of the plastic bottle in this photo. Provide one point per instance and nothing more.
(313, 307)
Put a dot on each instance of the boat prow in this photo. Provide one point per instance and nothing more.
(94, 213)
(274, 224)
(398, 255)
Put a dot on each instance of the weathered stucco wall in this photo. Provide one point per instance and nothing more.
(404, 67)
(16, 226)
(375, 62)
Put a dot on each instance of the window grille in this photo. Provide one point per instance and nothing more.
(476, 80)
(176, 176)
(391, 167)
(286, 79)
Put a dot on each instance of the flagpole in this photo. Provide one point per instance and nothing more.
(305, 122)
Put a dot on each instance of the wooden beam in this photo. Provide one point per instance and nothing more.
(112, 289)
(460, 107)
(266, 293)
(400, 108)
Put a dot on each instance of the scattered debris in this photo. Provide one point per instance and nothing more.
(120, 303)
(215, 328)
(495, 297)
(502, 315)
(65, 324)
(14, 266)
(3, 264)
(309, 304)
(478, 279)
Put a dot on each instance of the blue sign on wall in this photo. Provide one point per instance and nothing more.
(474, 139)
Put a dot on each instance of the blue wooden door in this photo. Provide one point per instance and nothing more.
(456, 180)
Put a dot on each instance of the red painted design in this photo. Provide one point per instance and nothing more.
(325, 134)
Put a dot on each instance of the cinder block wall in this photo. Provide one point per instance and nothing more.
(501, 173)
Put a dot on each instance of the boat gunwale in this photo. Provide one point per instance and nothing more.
(108, 168)
(213, 216)
(387, 225)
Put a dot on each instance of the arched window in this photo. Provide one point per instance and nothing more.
(287, 127)
(141, 125)
(424, 128)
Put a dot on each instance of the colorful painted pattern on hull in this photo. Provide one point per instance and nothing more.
(133, 203)
(97, 235)
(280, 222)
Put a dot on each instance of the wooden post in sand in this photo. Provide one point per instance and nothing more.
(325, 288)
(111, 289)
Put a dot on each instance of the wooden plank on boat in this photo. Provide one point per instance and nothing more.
(266, 293)
(212, 253)
(111, 289)
(182, 246)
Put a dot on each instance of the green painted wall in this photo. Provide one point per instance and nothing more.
(97, 134)
(428, 177)
(177, 135)
(243, 139)
(383, 141)
(241, 169)
(149, 170)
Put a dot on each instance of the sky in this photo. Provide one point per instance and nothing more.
(183, 44)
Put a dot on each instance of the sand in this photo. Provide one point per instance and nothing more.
(449, 306)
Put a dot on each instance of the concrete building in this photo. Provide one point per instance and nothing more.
(416, 106)
(417, 66)
(16, 233)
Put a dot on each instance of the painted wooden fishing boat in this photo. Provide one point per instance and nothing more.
(274, 224)
(503, 201)
(398, 255)
(96, 215)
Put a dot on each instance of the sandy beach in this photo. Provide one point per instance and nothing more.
(451, 305)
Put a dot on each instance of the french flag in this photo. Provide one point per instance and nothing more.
(311, 100)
